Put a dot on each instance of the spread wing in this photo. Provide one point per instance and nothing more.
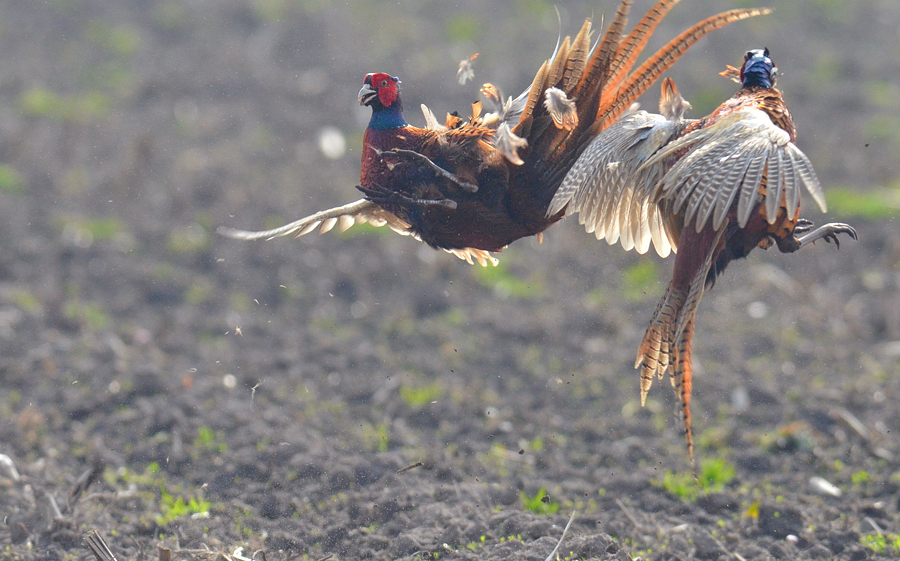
(609, 186)
(359, 212)
(730, 160)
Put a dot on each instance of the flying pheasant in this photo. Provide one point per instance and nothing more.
(712, 188)
(473, 187)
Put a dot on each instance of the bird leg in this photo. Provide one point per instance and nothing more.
(384, 197)
(828, 232)
(441, 172)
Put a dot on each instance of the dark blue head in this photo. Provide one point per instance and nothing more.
(758, 69)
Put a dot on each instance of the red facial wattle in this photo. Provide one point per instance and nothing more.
(385, 86)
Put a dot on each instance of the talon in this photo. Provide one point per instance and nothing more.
(803, 225)
(828, 232)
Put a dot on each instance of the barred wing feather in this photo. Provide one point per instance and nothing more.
(727, 162)
(605, 189)
(359, 212)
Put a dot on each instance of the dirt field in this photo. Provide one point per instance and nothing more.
(169, 388)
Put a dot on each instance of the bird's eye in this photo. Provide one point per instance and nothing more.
(748, 55)
(384, 83)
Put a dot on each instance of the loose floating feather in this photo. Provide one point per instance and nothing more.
(508, 144)
(561, 109)
(466, 72)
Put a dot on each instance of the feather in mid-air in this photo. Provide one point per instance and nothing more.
(473, 187)
(712, 189)
(466, 72)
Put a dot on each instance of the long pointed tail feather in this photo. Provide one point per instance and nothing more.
(656, 65)
(632, 47)
(669, 337)
(682, 379)
(595, 74)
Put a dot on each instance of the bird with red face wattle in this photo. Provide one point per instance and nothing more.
(713, 189)
(446, 182)
(473, 187)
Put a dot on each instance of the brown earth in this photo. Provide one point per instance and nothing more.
(172, 389)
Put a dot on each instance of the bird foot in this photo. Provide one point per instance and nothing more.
(441, 172)
(808, 234)
(384, 197)
(802, 226)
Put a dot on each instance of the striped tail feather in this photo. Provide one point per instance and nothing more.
(654, 353)
(632, 47)
(656, 65)
(682, 379)
(668, 340)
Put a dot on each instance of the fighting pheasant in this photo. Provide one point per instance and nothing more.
(473, 187)
(713, 189)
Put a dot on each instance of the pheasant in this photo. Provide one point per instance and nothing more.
(473, 187)
(713, 188)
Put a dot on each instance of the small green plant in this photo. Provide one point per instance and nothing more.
(752, 510)
(81, 108)
(713, 476)
(860, 477)
(87, 314)
(419, 397)
(118, 40)
(207, 439)
(639, 280)
(172, 507)
(169, 501)
(473, 546)
(503, 282)
(27, 302)
(541, 503)
(374, 437)
(882, 544)
(188, 240)
(11, 181)
(682, 485)
(872, 205)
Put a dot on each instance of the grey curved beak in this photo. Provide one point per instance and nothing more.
(365, 93)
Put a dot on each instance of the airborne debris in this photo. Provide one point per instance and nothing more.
(561, 109)
(409, 467)
(508, 144)
(465, 72)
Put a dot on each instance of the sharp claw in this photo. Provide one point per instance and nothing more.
(828, 232)
(803, 225)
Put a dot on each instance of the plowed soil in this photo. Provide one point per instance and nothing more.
(174, 390)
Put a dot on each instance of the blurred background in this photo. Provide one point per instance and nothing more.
(269, 378)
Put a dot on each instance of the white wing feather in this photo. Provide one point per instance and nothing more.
(609, 186)
(727, 161)
(358, 212)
